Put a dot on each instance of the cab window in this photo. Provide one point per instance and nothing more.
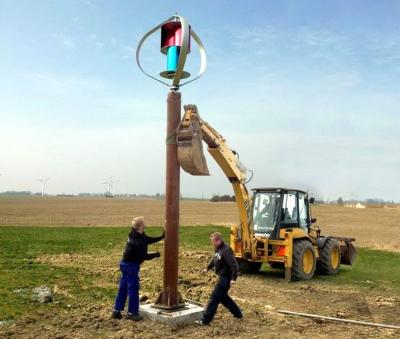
(303, 213)
(289, 209)
(265, 212)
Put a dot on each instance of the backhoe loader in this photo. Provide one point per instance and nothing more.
(275, 225)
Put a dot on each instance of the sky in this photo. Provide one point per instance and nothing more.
(307, 92)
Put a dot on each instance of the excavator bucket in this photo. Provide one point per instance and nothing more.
(189, 140)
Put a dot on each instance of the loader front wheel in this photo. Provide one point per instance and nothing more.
(329, 257)
(246, 266)
(304, 262)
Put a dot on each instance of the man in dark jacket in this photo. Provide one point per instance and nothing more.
(226, 267)
(135, 253)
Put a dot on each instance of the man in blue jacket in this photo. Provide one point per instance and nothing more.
(134, 255)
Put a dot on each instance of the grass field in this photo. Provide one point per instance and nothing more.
(80, 265)
(377, 228)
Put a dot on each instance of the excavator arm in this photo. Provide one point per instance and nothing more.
(190, 134)
(290, 248)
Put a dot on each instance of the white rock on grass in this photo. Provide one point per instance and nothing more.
(42, 294)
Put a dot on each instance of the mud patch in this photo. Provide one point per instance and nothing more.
(259, 296)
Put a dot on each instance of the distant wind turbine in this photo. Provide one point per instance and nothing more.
(113, 187)
(110, 186)
(44, 182)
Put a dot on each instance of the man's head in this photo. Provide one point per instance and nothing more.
(138, 224)
(216, 239)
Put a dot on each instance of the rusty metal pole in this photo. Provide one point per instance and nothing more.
(176, 34)
(170, 297)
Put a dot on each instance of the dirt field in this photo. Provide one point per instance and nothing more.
(258, 295)
(372, 227)
(84, 280)
(59, 211)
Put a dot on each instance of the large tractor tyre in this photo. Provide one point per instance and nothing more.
(246, 266)
(329, 257)
(304, 261)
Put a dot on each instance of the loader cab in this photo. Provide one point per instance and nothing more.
(278, 208)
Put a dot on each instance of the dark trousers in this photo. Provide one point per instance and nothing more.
(128, 287)
(220, 295)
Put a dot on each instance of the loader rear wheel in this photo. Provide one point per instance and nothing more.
(304, 262)
(246, 266)
(329, 257)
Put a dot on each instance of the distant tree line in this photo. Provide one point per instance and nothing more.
(16, 193)
(373, 202)
(370, 202)
(218, 198)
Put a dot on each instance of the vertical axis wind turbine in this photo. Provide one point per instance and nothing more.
(44, 182)
(176, 34)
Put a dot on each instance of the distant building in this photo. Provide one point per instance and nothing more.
(355, 205)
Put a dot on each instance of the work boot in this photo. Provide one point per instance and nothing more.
(134, 317)
(201, 323)
(116, 314)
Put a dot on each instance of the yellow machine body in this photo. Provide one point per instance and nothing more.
(300, 251)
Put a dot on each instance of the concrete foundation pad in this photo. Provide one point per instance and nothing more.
(183, 316)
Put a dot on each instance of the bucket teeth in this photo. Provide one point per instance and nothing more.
(189, 139)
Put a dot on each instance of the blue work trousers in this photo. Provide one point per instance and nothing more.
(128, 287)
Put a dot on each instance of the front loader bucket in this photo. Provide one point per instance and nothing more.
(189, 142)
(348, 252)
